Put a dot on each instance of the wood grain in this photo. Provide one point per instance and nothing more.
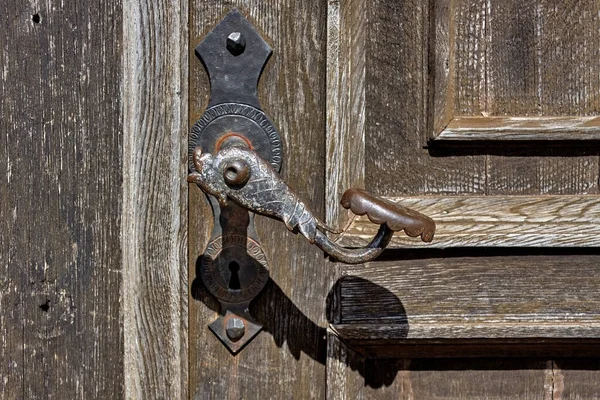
(346, 51)
(60, 200)
(495, 221)
(513, 59)
(521, 128)
(472, 303)
(397, 107)
(289, 356)
(154, 223)
(356, 377)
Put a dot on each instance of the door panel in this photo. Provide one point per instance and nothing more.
(504, 206)
(351, 376)
(507, 70)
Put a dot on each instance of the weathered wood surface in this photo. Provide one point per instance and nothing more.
(495, 221)
(61, 178)
(353, 377)
(154, 221)
(449, 304)
(346, 51)
(498, 59)
(397, 103)
(521, 128)
(287, 359)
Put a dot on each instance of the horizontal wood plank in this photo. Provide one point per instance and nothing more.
(490, 221)
(455, 303)
(521, 128)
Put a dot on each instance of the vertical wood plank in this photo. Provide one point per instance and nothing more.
(441, 63)
(154, 233)
(346, 29)
(60, 156)
(344, 369)
(287, 359)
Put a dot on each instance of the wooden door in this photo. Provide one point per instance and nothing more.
(480, 113)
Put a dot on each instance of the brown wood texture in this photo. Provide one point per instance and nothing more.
(494, 221)
(61, 142)
(287, 359)
(467, 301)
(154, 222)
(514, 58)
(397, 104)
(401, 97)
(346, 48)
(350, 376)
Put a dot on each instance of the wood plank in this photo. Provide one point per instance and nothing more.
(521, 128)
(60, 157)
(346, 51)
(356, 377)
(289, 355)
(344, 368)
(554, 170)
(495, 221)
(154, 233)
(493, 332)
(484, 299)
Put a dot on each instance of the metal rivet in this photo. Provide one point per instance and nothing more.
(235, 329)
(236, 43)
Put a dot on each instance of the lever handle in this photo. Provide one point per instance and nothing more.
(239, 174)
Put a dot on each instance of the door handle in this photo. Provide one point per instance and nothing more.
(239, 174)
(235, 154)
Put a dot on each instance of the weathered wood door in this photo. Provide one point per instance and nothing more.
(482, 114)
(479, 113)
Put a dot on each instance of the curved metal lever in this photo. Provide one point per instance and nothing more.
(239, 174)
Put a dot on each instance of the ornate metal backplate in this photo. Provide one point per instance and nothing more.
(234, 268)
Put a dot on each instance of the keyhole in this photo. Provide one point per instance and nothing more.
(234, 281)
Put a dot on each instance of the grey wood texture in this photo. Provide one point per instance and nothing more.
(397, 106)
(428, 62)
(494, 221)
(61, 180)
(287, 359)
(527, 59)
(154, 222)
(401, 97)
(521, 128)
(346, 48)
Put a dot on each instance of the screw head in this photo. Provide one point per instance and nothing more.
(236, 43)
(235, 329)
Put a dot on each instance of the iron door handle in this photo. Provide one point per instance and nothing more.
(235, 154)
(239, 174)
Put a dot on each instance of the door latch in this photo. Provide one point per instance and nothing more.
(235, 155)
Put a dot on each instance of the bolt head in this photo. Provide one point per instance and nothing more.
(235, 329)
(236, 43)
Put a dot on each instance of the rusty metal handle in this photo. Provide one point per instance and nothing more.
(239, 174)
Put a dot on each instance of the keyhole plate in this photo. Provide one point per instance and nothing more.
(216, 268)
